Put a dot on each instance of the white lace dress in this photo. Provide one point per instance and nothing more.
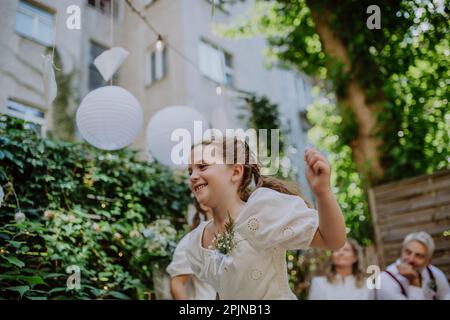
(268, 225)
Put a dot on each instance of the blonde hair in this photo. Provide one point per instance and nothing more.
(232, 146)
(357, 270)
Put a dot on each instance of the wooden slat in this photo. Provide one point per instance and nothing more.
(439, 216)
(395, 254)
(411, 205)
(401, 233)
(378, 239)
(439, 245)
(420, 188)
(439, 198)
(410, 181)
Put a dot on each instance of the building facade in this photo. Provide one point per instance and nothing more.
(196, 68)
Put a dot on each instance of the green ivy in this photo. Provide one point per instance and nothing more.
(83, 207)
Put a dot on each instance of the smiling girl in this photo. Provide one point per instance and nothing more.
(241, 252)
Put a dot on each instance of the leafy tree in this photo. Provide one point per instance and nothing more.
(383, 99)
(64, 103)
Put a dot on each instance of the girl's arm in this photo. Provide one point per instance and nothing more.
(178, 287)
(331, 232)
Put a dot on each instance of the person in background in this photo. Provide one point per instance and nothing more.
(344, 279)
(412, 277)
(184, 285)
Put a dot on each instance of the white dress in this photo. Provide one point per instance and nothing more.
(268, 224)
(343, 288)
(196, 289)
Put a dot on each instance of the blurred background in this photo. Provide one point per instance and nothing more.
(374, 99)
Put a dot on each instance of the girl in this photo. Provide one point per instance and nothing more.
(241, 252)
(344, 278)
(183, 284)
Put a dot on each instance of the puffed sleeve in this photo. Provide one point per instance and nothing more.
(271, 218)
(180, 265)
(193, 253)
(203, 262)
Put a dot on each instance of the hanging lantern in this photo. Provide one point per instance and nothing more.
(174, 120)
(109, 118)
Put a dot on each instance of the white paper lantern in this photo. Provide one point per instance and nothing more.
(164, 123)
(109, 118)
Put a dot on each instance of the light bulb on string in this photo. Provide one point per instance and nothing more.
(159, 43)
(219, 90)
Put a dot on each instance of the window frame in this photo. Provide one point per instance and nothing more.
(27, 117)
(151, 76)
(97, 7)
(226, 67)
(38, 18)
(93, 68)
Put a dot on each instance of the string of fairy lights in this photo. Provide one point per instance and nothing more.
(161, 42)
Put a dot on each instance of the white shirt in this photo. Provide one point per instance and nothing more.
(268, 224)
(343, 288)
(390, 289)
(196, 289)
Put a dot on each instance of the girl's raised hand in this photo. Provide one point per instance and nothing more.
(318, 171)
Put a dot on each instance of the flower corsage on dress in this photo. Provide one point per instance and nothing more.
(223, 244)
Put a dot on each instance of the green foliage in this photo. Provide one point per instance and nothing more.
(403, 68)
(63, 105)
(260, 113)
(83, 207)
(346, 182)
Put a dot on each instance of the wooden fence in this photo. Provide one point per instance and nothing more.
(417, 204)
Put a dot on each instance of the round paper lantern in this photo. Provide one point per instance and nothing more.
(109, 118)
(167, 121)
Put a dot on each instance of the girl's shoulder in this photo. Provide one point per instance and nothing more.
(196, 234)
(263, 192)
(267, 195)
(266, 201)
(271, 218)
(193, 240)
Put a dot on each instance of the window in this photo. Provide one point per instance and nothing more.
(35, 23)
(104, 6)
(155, 65)
(32, 115)
(215, 63)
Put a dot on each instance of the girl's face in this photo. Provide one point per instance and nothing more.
(211, 181)
(344, 257)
